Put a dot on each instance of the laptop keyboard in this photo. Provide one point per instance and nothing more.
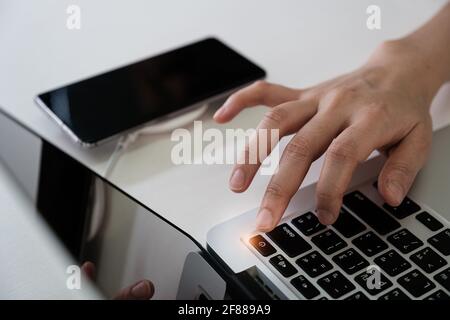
(408, 247)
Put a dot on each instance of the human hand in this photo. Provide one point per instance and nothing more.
(384, 105)
(141, 290)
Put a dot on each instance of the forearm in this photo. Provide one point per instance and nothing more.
(432, 41)
(419, 61)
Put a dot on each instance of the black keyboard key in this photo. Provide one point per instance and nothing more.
(350, 261)
(373, 283)
(441, 242)
(358, 296)
(283, 266)
(438, 296)
(429, 221)
(262, 245)
(405, 241)
(395, 294)
(328, 241)
(308, 224)
(392, 263)
(347, 224)
(335, 284)
(370, 244)
(288, 240)
(416, 283)
(428, 260)
(369, 212)
(314, 264)
(305, 287)
(443, 278)
(405, 209)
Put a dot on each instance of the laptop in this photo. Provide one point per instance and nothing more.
(373, 251)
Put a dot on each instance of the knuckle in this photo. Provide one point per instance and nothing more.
(261, 86)
(378, 111)
(298, 149)
(275, 117)
(329, 190)
(274, 190)
(235, 98)
(313, 94)
(400, 170)
(344, 150)
(325, 197)
(339, 95)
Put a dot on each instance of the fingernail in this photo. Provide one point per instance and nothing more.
(264, 220)
(396, 191)
(140, 290)
(325, 217)
(237, 180)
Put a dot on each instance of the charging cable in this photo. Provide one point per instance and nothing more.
(163, 127)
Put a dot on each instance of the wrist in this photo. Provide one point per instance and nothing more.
(428, 62)
(407, 66)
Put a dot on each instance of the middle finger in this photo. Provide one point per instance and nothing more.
(286, 118)
(306, 146)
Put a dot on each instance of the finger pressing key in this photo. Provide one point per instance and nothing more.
(308, 144)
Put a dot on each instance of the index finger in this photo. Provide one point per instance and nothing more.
(305, 147)
(259, 93)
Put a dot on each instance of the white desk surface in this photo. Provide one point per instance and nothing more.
(299, 43)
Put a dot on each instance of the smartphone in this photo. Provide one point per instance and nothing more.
(94, 110)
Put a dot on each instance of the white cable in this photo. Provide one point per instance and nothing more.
(169, 125)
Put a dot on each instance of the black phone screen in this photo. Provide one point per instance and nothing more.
(104, 105)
